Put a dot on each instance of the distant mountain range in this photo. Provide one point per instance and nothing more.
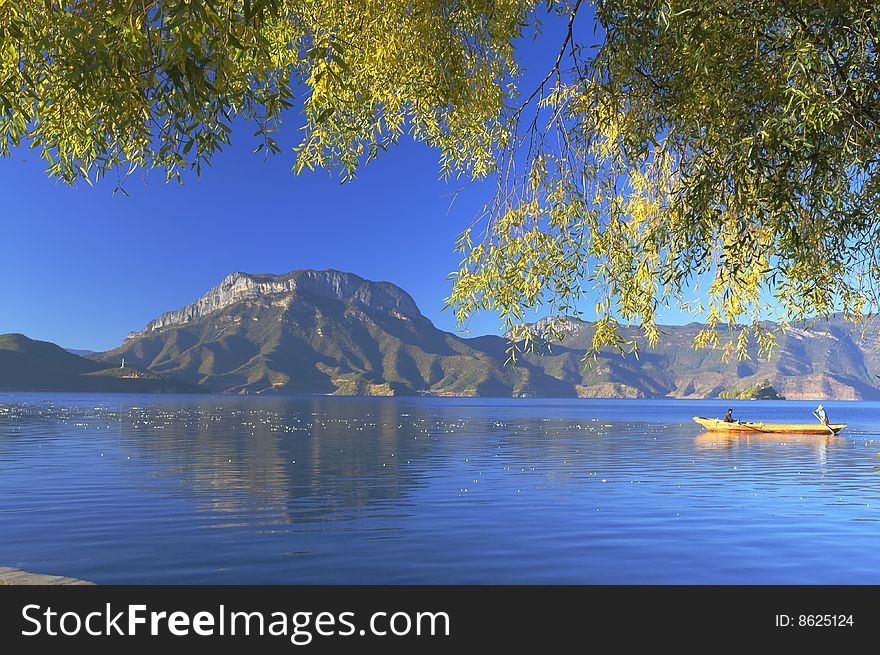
(829, 359)
(81, 353)
(330, 332)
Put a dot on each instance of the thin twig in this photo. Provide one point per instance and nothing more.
(555, 68)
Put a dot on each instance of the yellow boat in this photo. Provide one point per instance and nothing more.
(717, 425)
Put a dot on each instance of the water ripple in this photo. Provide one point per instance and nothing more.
(171, 489)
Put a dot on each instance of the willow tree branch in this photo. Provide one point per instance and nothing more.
(555, 68)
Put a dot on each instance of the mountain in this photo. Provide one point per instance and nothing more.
(322, 332)
(29, 365)
(81, 353)
(825, 359)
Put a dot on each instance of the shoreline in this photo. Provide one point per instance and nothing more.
(10, 577)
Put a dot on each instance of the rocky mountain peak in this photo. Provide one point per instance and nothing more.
(545, 327)
(344, 287)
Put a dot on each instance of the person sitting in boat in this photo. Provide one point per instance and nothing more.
(821, 415)
(728, 418)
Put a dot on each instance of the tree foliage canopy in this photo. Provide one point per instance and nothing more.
(101, 86)
(706, 153)
(728, 147)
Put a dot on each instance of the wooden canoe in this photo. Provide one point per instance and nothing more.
(717, 425)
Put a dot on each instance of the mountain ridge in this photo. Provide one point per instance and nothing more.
(329, 331)
(332, 332)
(828, 358)
(239, 286)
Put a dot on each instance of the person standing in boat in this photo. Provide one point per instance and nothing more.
(821, 415)
(728, 418)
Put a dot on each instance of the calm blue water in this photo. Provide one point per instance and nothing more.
(218, 489)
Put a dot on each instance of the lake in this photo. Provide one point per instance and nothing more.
(225, 489)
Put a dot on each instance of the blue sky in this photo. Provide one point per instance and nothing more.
(82, 267)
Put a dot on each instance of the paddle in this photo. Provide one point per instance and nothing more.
(823, 422)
